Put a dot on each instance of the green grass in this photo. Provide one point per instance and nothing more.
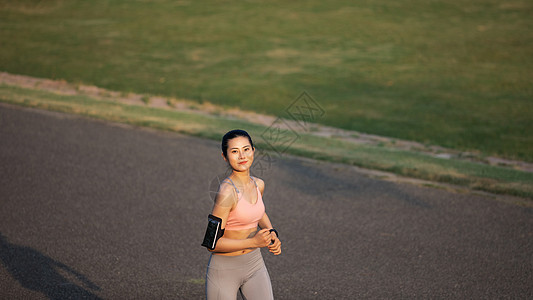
(472, 175)
(453, 73)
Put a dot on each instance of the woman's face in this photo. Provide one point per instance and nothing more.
(240, 154)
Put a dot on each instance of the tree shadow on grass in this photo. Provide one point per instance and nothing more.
(38, 272)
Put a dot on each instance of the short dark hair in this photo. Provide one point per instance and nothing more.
(231, 135)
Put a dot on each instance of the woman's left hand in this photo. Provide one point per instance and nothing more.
(275, 247)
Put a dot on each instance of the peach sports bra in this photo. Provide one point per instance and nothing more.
(245, 215)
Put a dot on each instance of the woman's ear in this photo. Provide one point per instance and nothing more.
(222, 153)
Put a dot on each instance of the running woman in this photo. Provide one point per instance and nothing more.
(236, 264)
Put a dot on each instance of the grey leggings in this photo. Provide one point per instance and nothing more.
(247, 273)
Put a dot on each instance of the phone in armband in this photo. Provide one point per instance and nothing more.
(213, 232)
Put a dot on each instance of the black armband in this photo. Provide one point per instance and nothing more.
(213, 232)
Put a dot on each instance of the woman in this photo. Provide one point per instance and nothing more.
(236, 263)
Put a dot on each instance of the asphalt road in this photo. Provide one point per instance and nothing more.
(93, 210)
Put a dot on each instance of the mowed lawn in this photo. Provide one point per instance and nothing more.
(455, 73)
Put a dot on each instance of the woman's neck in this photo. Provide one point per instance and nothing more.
(241, 178)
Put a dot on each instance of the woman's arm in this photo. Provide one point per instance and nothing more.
(275, 243)
(224, 244)
(260, 240)
(264, 223)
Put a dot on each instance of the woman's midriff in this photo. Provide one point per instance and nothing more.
(238, 235)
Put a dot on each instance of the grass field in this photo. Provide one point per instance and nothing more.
(454, 73)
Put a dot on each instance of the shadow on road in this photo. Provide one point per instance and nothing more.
(38, 272)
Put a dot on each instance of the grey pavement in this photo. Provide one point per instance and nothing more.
(94, 210)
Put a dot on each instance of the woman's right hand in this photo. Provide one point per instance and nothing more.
(262, 238)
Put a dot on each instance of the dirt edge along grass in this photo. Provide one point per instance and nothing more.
(475, 176)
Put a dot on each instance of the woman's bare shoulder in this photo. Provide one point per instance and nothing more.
(260, 183)
(226, 195)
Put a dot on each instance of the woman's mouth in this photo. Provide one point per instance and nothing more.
(243, 162)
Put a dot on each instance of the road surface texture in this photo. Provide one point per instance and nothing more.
(94, 210)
